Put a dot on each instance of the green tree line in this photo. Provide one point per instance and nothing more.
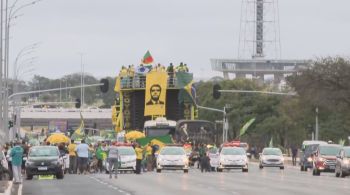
(288, 120)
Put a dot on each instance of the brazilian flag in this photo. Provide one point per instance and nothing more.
(155, 140)
(187, 93)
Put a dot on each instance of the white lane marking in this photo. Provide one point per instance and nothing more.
(110, 185)
(20, 189)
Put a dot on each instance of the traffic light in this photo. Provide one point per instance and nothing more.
(10, 124)
(77, 103)
(104, 88)
(216, 92)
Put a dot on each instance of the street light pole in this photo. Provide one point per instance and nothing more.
(317, 130)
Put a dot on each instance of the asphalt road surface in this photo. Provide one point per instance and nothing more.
(269, 181)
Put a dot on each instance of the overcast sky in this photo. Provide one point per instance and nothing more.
(112, 33)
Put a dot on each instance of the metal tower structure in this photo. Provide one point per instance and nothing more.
(259, 47)
(259, 35)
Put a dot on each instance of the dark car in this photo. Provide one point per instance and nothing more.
(324, 159)
(342, 167)
(44, 160)
(307, 150)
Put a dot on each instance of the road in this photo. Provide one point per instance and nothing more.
(267, 181)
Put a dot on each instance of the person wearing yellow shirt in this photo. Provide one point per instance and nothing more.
(139, 152)
(72, 157)
(149, 157)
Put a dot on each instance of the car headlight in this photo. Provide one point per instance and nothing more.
(282, 159)
(321, 159)
(185, 160)
(309, 159)
(29, 163)
(346, 161)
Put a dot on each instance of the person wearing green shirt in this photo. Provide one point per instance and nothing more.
(17, 157)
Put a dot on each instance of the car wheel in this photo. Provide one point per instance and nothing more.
(29, 177)
(159, 170)
(305, 169)
(301, 168)
(315, 172)
(60, 175)
(185, 170)
(219, 170)
(337, 174)
(281, 168)
(342, 174)
(213, 169)
(244, 170)
(261, 167)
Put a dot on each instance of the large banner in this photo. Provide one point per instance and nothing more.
(155, 98)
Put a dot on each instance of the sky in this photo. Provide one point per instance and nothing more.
(112, 33)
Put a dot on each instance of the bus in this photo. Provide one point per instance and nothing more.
(159, 127)
(196, 131)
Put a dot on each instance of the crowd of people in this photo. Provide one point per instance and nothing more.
(136, 77)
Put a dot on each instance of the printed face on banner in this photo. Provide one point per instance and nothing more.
(155, 98)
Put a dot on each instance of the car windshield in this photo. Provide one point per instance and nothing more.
(233, 151)
(43, 151)
(126, 151)
(213, 150)
(272, 151)
(329, 150)
(172, 151)
(309, 149)
(347, 152)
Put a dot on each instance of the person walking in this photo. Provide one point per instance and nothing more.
(72, 157)
(17, 156)
(139, 152)
(294, 155)
(113, 161)
(83, 154)
(99, 155)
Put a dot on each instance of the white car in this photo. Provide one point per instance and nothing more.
(271, 157)
(214, 157)
(172, 158)
(233, 158)
(127, 159)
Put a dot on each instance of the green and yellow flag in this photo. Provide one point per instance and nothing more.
(80, 130)
(246, 126)
(155, 95)
(187, 93)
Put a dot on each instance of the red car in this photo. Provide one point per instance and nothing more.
(324, 159)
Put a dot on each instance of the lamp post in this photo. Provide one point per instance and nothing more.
(82, 80)
(316, 129)
(10, 13)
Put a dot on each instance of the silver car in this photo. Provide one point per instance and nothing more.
(271, 157)
(342, 167)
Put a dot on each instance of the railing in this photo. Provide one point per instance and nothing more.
(64, 110)
(140, 82)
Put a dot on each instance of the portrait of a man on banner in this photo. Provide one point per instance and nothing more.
(155, 98)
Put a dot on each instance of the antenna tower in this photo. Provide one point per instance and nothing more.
(259, 35)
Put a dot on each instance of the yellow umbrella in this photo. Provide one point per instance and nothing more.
(134, 135)
(58, 138)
